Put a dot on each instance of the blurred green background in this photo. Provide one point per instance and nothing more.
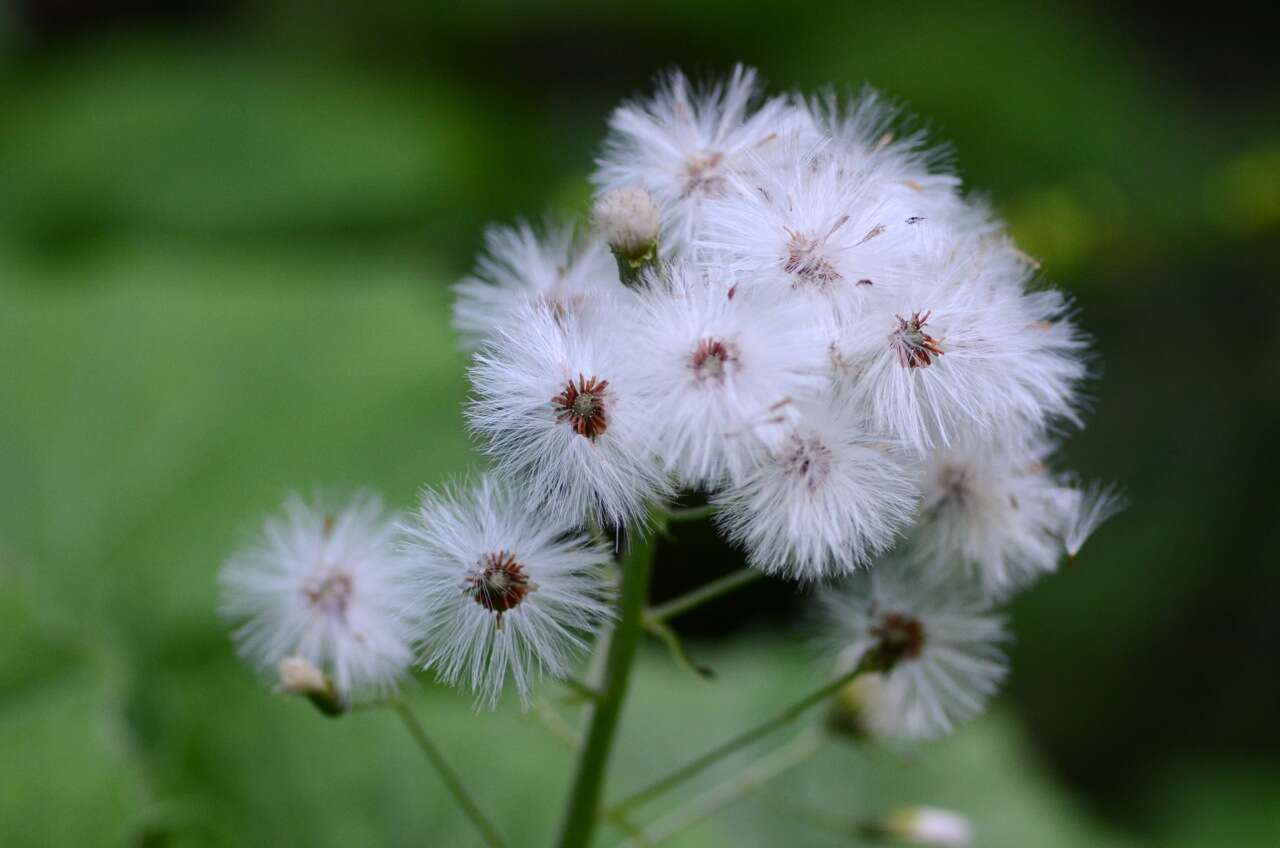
(226, 235)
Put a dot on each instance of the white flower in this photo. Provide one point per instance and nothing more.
(518, 266)
(992, 511)
(507, 591)
(807, 227)
(555, 410)
(1093, 505)
(327, 589)
(957, 349)
(628, 220)
(681, 146)
(940, 641)
(720, 371)
(824, 501)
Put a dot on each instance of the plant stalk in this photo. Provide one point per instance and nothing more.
(448, 776)
(581, 817)
(742, 740)
(707, 592)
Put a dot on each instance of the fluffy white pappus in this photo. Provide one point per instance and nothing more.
(509, 593)
(806, 228)
(326, 587)
(554, 408)
(960, 349)
(1093, 505)
(683, 143)
(943, 641)
(721, 370)
(628, 219)
(519, 266)
(822, 503)
(993, 512)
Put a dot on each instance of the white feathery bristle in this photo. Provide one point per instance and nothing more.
(299, 676)
(508, 591)
(628, 219)
(824, 501)
(556, 411)
(325, 588)
(1094, 505)
(945, 644)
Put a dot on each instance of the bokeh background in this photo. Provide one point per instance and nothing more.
(227, 231)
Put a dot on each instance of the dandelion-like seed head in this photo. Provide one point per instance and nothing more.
(807, 457)
(898, 635)
(702, 174)
(804, 258)
(330, 594)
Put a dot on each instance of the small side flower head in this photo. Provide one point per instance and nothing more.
(319, 599)
(824, 501)
(299, 677)
(937, 648)
(628, 220)
(508, 591)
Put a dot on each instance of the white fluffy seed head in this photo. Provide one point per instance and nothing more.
(992, 513)
(628, 219)
(555, 410)
(945, 642)
(509, 591)
(684, 143)
(824, 501)
(718, 369)
(556, 268)
(327, 589)
(958, 350)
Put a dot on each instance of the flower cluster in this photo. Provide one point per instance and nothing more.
(783, 305)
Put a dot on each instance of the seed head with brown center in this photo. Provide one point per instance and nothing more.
(898, 637)
(582, 406)
(915, 347)
(498, 583)
(712, 359)
(808, 458)
(330, 595)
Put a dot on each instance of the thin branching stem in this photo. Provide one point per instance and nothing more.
(706, 592)
(736, 743)
(450, 777)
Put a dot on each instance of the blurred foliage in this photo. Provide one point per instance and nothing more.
(226, 232)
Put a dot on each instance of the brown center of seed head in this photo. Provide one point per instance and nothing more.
(499, 582)
(582, 406)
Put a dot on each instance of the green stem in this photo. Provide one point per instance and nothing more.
(742, 740)
(448, 776)
(581, 816)
(691, 513)
(707, 592)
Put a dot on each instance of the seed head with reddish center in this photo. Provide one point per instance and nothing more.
(582, 406)
(915, 347)
(499, 583)
(712, 359)
(898, 637)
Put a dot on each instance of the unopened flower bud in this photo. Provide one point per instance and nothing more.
(299, 676)
(628, 218)
(928, 826)
(849, 708)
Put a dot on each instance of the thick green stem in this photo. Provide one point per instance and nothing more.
(742, 740)
(710, 591)
(581, 816)
(448, 776)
